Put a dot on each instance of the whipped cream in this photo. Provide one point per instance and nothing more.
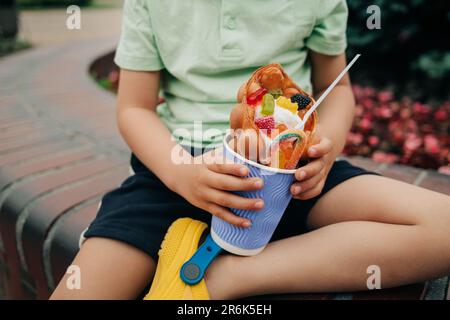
(281, 116)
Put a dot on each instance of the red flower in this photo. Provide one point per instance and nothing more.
(367, 103)
(380, 156)
(385, 96)
(394, 106)
(369, 92)
(420, 108)
(398, 136)
(416, 132)
(412, 143)
(359, 111)
(441, 115)
(358, 92)
(373, 141)
(426, 128)
(444, 169)
(391, 157)
(365, 124)
(394, 125)
(444, 155)
(354, 138)
(384, 112)
(431, 144)
(411, 125)
(405, 113)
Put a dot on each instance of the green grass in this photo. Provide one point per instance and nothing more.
(8, 46)
(103, 83)
(53, 4)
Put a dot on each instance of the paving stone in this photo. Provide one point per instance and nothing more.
(364, 163)
(17, 144)
(402, 173)
(45, 148)
(436, 182)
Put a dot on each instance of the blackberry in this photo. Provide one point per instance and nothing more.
(302, 100)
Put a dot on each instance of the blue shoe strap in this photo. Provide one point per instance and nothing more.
(194, 269)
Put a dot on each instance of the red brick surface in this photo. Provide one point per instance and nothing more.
(30, 195)
(52, 154)
(365, 163)
(60, 151)
(403, 173)
(10, 173)
(49, 209)
(436, 182)
(32, 152)
(65, 234)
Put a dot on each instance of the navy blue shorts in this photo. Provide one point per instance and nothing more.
(142, 208)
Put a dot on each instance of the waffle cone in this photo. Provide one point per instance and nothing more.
(273, 77)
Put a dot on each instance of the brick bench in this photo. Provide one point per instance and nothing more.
(60, 151)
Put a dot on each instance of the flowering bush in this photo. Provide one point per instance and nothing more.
(402, 131)
(407, 52)
(110, 81)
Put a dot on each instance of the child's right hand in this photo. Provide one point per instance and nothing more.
(208, 186)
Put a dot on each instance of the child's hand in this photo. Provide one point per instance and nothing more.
(311, 177)
(207, 186)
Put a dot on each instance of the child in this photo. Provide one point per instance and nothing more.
(342, 219)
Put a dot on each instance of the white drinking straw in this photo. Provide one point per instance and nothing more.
(325, 94)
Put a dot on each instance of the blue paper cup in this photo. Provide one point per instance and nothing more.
(276, 195)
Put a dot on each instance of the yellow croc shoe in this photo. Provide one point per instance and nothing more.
(180, 243)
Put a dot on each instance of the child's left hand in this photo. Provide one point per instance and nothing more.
(311, 177)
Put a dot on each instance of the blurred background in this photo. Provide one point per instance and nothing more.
(401, 83)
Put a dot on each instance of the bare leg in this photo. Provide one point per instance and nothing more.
(109, 269)
(367, 220)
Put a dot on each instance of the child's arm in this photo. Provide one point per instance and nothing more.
(205, 186)
(139, 125)
(337, 110)
(335, 119)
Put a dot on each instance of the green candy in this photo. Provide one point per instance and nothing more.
(268, 105)
(286, 136)
(276, 93)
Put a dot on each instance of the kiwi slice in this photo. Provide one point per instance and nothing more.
(268, 105)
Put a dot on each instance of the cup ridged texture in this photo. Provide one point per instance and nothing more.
(276, 195)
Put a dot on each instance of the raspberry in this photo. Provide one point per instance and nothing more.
(267, 123)
(302, 100)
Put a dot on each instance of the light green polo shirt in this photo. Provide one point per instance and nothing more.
(207, 48)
